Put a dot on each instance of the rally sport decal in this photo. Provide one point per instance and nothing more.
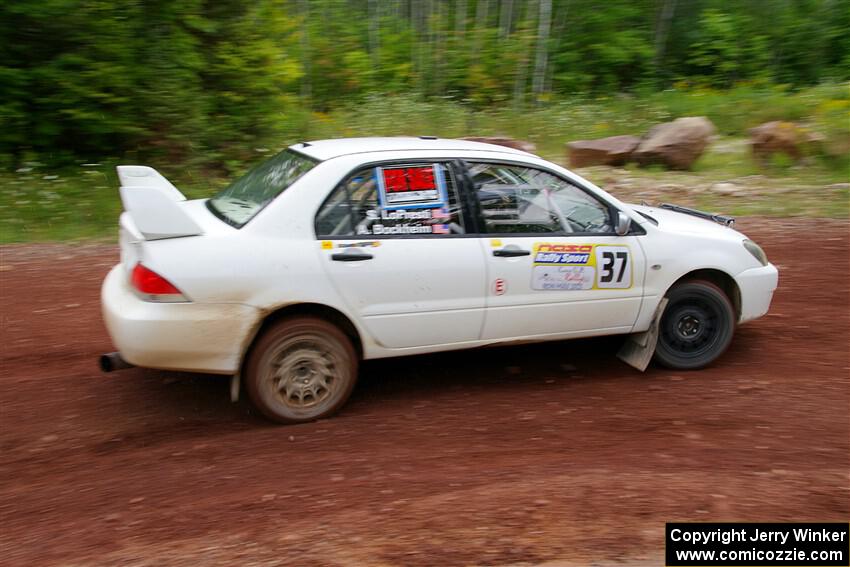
(569, 267)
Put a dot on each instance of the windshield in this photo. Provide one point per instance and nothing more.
(247, 196)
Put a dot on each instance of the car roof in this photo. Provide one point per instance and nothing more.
(328, 149)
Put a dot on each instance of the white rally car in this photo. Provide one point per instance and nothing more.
(336, 251)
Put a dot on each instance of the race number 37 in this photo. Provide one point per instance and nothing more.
(613, 267)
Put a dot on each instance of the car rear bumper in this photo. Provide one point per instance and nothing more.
(757, 286)
(195, 337)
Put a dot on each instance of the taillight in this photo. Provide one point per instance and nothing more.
(153, 287)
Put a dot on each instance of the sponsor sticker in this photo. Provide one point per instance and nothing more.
(367, 244)
(563, 278)
(569, 267)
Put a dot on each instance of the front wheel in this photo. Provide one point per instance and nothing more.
(696, 327)
(301, 369)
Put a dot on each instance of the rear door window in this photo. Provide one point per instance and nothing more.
(415, 199)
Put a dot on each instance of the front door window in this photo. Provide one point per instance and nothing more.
(522, 200)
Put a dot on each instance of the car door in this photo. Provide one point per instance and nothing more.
(393, 242)
(555, 266)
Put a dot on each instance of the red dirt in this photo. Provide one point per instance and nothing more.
(514, 455)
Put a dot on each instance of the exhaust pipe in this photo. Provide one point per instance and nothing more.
(113, 361)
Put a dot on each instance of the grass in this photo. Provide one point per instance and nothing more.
(40, 204)
(71, 204)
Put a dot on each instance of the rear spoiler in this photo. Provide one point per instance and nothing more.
(154, 204)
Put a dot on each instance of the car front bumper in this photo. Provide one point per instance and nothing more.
(195, 337)
(757, 286)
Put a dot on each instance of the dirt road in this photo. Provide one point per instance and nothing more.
(521, 455)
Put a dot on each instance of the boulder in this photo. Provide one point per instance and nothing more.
(615, 150)
(521, 145)
(677, 144)
(777, 137)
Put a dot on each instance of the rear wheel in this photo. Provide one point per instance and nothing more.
(696, 327)
(301, 369)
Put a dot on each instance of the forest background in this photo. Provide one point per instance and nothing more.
(204, 89)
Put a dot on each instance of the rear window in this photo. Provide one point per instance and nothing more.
(245, 197)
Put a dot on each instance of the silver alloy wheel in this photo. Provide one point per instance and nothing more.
(303, 374)
(300, 369)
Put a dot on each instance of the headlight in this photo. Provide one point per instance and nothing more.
(756, 251)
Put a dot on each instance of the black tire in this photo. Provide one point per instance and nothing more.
(301, 369)
(696, 327)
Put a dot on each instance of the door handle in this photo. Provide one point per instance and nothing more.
(511, 252)
(351, 257)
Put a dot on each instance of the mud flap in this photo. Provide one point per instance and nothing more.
(638, 349)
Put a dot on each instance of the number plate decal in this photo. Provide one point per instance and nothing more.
(615, 267)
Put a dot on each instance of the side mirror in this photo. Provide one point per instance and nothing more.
(624, 223)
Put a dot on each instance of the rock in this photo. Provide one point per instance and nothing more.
(615, 150)
(777, 137)
(677, 144)
(521, 145)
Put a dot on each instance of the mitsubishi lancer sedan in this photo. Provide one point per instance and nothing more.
(338, 251)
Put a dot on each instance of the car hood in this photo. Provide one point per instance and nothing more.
(682, 223)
